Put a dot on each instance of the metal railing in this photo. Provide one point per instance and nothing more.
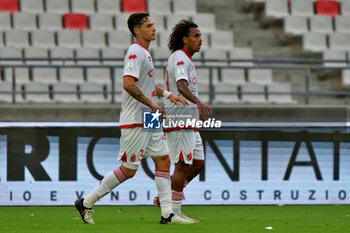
(304, 65)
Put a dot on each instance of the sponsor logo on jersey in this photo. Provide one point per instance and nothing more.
(150, 73)
(194, 81)
(132, 57)
(180, 63)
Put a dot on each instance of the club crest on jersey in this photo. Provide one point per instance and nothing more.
(180, 71)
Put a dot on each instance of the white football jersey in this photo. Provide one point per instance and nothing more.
(138, 64)
(179, 67)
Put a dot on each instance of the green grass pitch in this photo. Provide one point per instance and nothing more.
(213, 219)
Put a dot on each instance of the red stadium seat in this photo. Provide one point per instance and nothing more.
(9, 5)
(327, 7)
(132, 6)
(75, 21)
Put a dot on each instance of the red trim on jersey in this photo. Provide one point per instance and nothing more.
(178, 128)
(181, 157)
(140, 45)
(130, 126)
(186, 54)
(131, 76)
(182, 79)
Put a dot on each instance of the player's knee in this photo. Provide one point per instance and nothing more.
(199, 165)
(129, 173)
(162, 163)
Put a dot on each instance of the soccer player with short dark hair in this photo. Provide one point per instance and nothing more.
(185, 143)
(139, 90)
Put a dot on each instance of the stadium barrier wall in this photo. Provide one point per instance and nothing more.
(55, 163)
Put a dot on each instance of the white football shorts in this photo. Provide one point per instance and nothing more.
(137, 143)
(185, 145)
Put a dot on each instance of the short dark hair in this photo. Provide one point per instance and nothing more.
(136, 20)
(179, 31)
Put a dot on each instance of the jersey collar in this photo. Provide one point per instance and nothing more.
(140, 45)
(186, 54)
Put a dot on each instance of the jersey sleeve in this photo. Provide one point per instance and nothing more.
(133, 63)
(180, 66)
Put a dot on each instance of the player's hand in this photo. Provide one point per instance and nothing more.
(203, 108)
(202, 117)
(175, 99)
(155, 107)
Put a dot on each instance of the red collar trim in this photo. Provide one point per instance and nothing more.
(140, 45)
(186, 54)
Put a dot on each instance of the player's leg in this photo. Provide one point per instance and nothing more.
(158, 150)
(131, 152)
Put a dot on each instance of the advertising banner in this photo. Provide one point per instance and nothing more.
(57, 165)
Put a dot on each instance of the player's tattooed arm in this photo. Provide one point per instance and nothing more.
(130, 86)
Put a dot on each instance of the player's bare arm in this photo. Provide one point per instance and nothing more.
(173, 98)
(182, 87)
(130, 86)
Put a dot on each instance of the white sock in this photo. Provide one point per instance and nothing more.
(107, 184)
(176, 198)
(162, 180)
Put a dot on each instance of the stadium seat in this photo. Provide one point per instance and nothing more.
(260, 76)
(43, 39)
(36, 53)
(68, 39)
(87, 53)
(32, 6)
(158, 22)
(342, 24)
(339, 41)
(71, 75)
(296, 25)
(2, 43)
(228, 96)
(113, 53)
(5, 21)
(203, 91)
(118, 86)
(24, 21)
(327, 7)
(276, 8)
(92, 93)
(57, 6)
(44, 75)
(118, 39)
(6, 86)
(9, 52)
(204, 75)
(159, 7)
(345, 77)
(321, 24)
(111, 7)
(302, 8)
(253, 93)
(50, 21)
(75, 21)
(314, 42)
(121, 22)
(215, 54)
(241, 53)
(94, 39)
(37, 93)
(334, 55)
(280, 98)
(83, 6)
(221, 39)
(205, 21)
(161, 53)
(21, 75)
(345, 8)
(61, 54)
(234, 76)
(65, 93)
(101, 22)
(17, 38)
(132, 6)
(98, 75)
(9, 6)
(185, 7)
(173, 19)
(160, 76)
